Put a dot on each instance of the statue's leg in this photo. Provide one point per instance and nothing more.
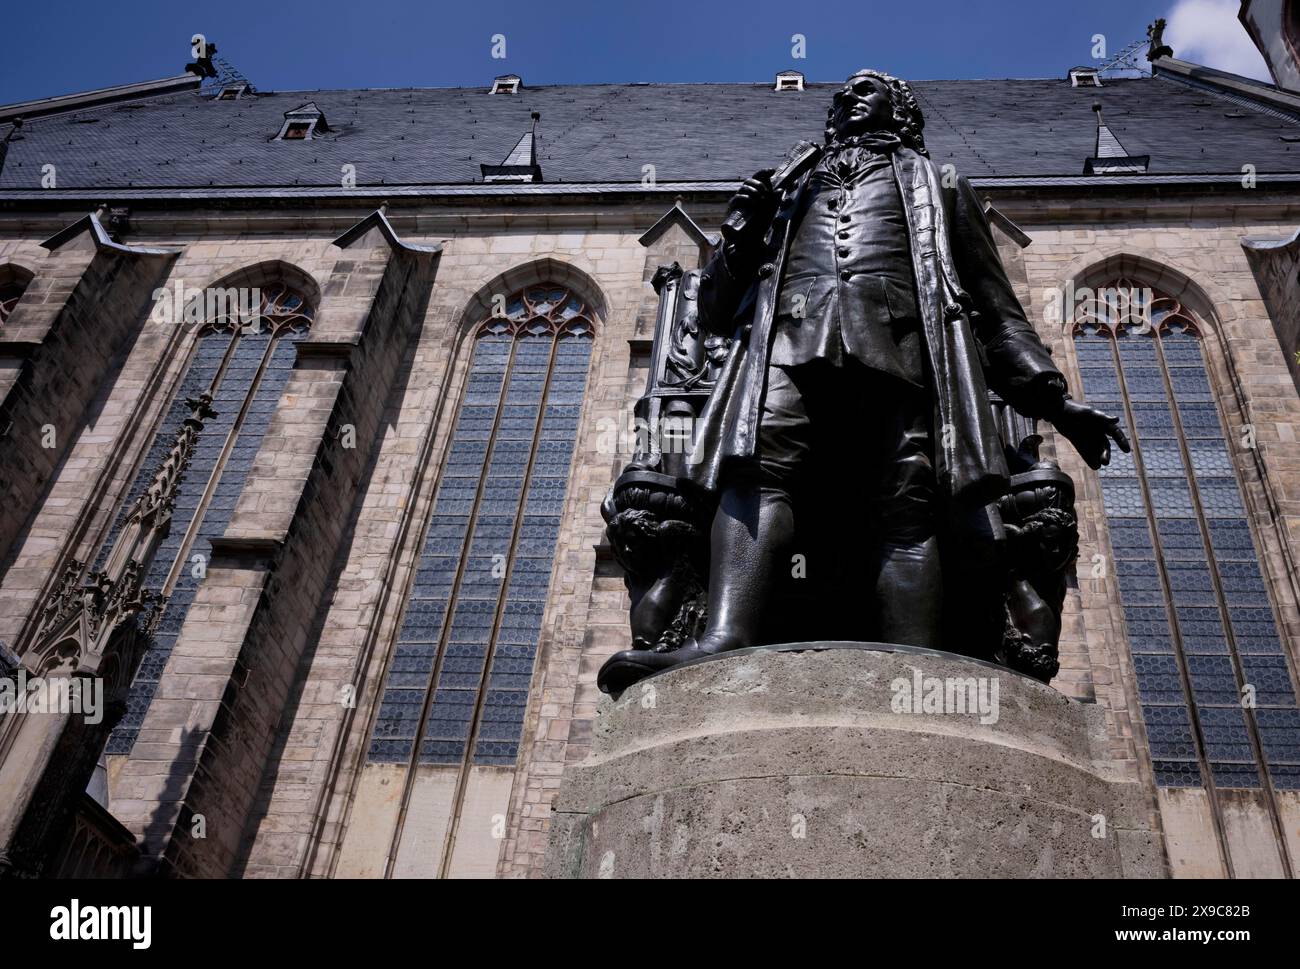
(975, 570)
(752, 533)
(909, 583)
(750, 541)
(753, 529)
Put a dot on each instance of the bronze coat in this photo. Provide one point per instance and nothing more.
(975, 330)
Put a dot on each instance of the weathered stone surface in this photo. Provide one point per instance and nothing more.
(803, 762)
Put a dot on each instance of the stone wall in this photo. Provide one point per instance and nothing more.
(69, 333)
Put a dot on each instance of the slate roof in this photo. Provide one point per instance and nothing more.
(607, 132)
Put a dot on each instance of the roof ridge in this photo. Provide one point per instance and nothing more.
(62, 103)
(763, 84)
(1282, 105)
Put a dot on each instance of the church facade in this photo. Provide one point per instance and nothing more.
(309, 402)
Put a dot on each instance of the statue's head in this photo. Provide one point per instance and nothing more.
(876, 101)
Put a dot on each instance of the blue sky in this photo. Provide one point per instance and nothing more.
(60, 46)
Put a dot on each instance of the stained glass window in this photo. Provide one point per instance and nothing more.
(244, 364)
(457, 686)
(1213, 680)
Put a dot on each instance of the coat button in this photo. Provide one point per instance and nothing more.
(952, 310)
(833, 203)
(843, 253)
(845, 218)
(766, 270)
(844, 234)
(845, 274)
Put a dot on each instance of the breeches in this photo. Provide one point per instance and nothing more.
(869, 432)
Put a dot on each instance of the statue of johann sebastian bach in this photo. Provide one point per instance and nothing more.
(870, 316)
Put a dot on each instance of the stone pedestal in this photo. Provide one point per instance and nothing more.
(848, 760)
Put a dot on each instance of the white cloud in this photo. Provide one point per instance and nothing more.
(1208, 32)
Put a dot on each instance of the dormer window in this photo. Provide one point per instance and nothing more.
(303, 123)
(789, 81)
(506, 84)
(1084, 77)
(232, 92)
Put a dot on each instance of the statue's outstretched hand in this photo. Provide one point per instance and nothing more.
(1091, 432)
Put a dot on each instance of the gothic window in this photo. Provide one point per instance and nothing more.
(244, 364)
(458, 683)
(13, 282)
(1216, 692)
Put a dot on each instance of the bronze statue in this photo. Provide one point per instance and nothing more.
(854, 458)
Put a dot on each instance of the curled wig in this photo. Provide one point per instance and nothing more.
(907, 122)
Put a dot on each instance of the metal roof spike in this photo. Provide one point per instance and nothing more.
(1109, 157)
(520, 164)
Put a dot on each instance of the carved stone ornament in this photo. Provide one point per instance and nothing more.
(97, 623)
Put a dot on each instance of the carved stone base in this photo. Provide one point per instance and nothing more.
(803, 761)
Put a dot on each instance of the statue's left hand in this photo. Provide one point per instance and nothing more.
(1091, 432)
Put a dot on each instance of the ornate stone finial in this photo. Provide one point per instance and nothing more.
(1157, 47)
(119, 221)
(86, 613)
(161, 493)
(202, 65)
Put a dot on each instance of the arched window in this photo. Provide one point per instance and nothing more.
(457, 685)
(13, 283)
(1200, 622)
(243, 362)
